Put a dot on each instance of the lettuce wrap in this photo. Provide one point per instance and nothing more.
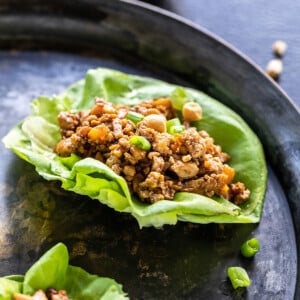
(33, 140)
(52, 270)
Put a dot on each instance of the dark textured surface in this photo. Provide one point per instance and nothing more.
(251, 26)
(181, 262)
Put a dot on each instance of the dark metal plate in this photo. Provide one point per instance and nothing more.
(46, 47)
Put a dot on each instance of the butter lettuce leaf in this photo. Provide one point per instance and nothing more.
(52, 270)
(34, 138)
(8, 287)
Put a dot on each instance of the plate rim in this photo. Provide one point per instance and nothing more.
(239, 55)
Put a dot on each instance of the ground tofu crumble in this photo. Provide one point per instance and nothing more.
(50, 294)
(187, 161)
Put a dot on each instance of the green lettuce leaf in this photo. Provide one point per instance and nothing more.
(8, 287)
(52, 270)
(33, 140)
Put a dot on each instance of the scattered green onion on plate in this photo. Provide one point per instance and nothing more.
(238, 277)
(250, 247)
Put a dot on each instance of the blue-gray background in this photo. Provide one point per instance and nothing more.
(251, 26)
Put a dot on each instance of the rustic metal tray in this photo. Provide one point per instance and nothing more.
(47, 46)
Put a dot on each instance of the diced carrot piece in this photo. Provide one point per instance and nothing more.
(162, 101)
(229, 172)
(97, 109)
(98, 134)
(207, 164)
(224, 190)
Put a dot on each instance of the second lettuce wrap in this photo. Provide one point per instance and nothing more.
(52, 270)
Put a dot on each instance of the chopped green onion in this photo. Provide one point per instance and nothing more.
(140, 142)
(174, 126)
(238, 277)
(179, 97)
(134, 117)
(250, 247)
(176, 129)
(173, 122)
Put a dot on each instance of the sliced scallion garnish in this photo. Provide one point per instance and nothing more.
(134, 117)
(140, 142)
(176, 129)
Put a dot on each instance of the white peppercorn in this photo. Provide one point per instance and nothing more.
(279, 48)
(274, 68)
